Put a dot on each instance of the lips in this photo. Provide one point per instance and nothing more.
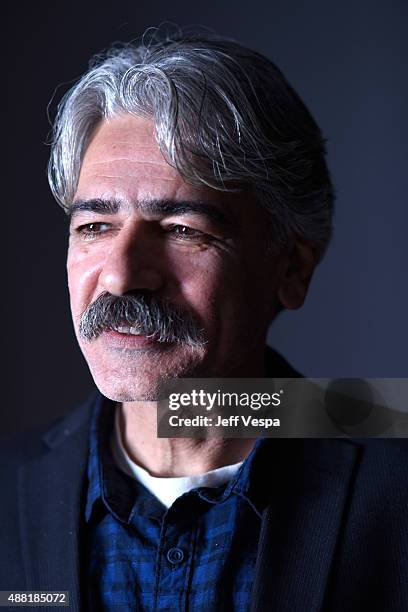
(120, 337)
(133, 331)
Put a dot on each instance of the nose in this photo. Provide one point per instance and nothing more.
(132, 262)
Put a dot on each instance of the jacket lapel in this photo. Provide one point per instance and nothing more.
(50, 507)
(301, 525)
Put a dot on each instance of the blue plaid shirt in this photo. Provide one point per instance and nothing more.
(197, 555)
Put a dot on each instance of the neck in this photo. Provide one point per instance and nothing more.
(167, 457)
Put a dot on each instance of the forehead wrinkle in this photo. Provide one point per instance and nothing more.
(131, 176)
(131, 160)
(131, 143)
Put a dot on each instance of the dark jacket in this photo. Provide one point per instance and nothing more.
(334, 536)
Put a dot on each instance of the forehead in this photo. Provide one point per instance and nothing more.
(125, 147)
(124, 162)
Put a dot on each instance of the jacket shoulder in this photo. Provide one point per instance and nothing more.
(15, 455)
(23, 447)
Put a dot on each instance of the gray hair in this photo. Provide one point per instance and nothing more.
(224, 116)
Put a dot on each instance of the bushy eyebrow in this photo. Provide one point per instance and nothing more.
(163, 208)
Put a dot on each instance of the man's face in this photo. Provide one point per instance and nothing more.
(194, 247)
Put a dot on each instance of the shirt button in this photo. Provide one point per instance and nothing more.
(175, 555)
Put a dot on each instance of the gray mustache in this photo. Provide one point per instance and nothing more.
(164, 321)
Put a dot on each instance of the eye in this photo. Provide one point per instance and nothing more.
(91, 230)
(186, 233)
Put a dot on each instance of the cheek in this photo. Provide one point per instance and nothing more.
(82, 273)
(212, 287)
(199, 279)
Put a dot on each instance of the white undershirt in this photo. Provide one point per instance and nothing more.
(167, 490)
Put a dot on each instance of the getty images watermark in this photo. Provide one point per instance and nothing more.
(218, 402)
(283, 407)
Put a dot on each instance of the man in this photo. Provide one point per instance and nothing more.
(200, 204)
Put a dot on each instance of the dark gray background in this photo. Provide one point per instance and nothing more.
(347, 60)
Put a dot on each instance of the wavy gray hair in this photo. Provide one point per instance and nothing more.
(224, 116)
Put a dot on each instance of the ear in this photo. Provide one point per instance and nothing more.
(300, 264)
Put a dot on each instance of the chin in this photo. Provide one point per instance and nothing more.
(129, 391)
(141, 379)
(138, 386)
